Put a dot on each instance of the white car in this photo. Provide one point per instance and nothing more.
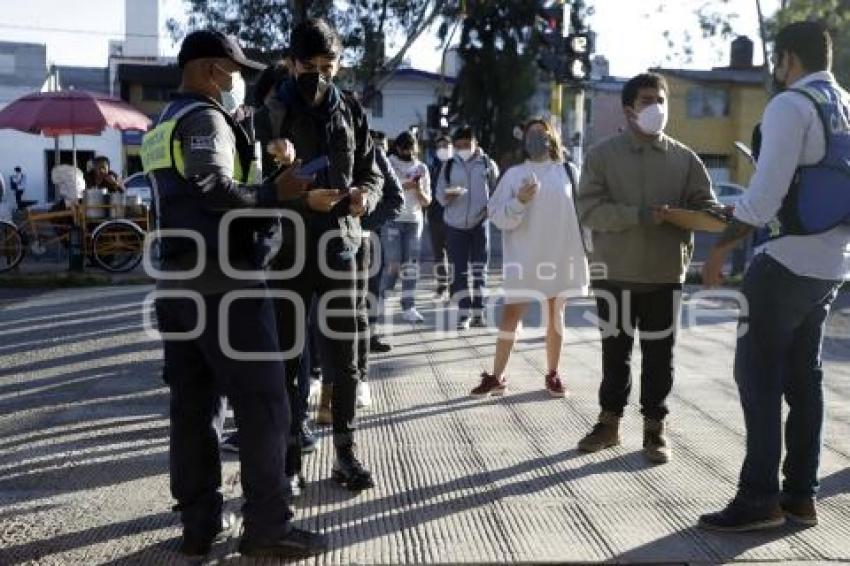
(728, 193)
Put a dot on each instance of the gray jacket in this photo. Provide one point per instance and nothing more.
(478, 176)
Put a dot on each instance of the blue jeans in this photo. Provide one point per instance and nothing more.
(401, 242)
(469, 248)
(780, 355)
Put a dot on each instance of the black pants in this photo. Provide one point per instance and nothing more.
(362, 261)
(199, 373)
(654, 314)
(437, 232)
(336, 311)
(376, 254)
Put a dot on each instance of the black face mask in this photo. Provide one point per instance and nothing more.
(405, 156)
(313, 86)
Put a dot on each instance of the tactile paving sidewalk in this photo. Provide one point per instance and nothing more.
(84, 440)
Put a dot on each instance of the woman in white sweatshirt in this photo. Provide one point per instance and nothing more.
(543, 254)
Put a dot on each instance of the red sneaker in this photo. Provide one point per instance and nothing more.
(554, 385)
(490, 385)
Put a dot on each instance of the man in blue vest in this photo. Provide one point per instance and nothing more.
(802, 178)
(201, 163)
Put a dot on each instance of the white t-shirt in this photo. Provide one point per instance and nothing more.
(411, 211)
(792, 135)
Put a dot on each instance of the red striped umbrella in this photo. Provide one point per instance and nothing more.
(70, 112)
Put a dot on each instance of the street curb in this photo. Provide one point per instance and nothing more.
(68, 280)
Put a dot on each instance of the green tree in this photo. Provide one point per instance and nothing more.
(498, 48)
(835, 14)
(365, 26)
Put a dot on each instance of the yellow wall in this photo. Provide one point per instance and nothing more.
(718, 135)
(151, 108)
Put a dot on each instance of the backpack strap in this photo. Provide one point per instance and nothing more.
(574, 186)
(447, 170)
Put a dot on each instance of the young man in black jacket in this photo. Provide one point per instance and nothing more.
(325, 123)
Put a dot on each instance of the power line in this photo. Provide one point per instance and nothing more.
(118, 34)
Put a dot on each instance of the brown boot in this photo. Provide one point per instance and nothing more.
(324, 415)
(655, 447)
(605, 434)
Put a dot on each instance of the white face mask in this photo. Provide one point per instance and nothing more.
(444, 153)
(232, 99)
(464, 154)
(652, 119)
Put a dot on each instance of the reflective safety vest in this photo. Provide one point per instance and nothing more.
(177, 202)
(819, 197)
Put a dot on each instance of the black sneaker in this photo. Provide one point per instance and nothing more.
(377, 346)
(194, 546)
(308, 439)
(802, 511)
(297, 543)
(741, 517)
(479, 321)
(349, 472)
(231, 443)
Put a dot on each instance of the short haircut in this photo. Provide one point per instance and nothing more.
(405, 140)
(101, 159)
(443, 138)
(463, 133)
(314, 37)
(809, 41)
(377, 135)
(644, 80)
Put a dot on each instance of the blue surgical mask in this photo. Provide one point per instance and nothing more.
(232, 99)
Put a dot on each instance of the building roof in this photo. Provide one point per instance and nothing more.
(410, 73)
(149, 74)
(750, 76)
(92, 79)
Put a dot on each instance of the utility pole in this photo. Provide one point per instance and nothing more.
(556, 90)
(565, 54)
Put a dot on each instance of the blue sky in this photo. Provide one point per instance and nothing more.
(77, 32)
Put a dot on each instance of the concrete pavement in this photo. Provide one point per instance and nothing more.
(84, 440)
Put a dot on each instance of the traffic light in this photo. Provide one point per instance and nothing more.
(566, 44)
(577, 66)
(551, 29)
(437, 115)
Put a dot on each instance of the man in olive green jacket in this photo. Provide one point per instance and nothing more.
(627, 183)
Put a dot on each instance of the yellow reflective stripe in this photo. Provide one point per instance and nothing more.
(155, 152)
(179, 163)
(254, 177)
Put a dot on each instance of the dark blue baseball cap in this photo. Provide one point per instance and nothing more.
(211, 44)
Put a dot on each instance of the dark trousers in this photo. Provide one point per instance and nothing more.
(338, 314)
(437, 233)
(655, 315)
(779, 354)
(376, 254)
(198, 374)
(469, 251)
(308, 362)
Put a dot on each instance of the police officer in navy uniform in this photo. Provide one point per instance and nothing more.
(799, 206)
(202, 165)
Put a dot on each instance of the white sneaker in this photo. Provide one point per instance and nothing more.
(412, 315)
(364, 395)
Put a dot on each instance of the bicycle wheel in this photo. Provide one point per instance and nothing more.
(117, 245)
(11, 246)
